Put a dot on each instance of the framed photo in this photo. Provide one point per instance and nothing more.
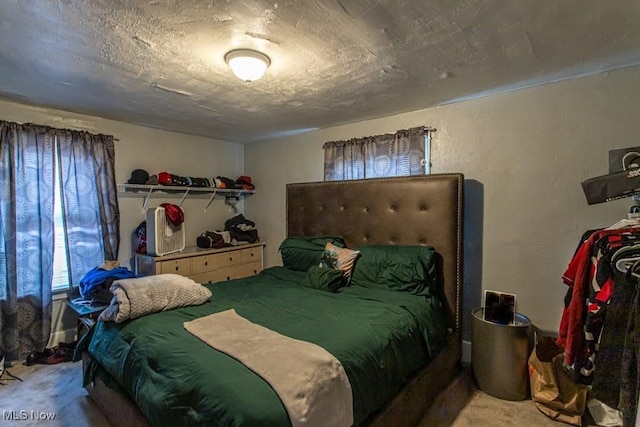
(499, 307)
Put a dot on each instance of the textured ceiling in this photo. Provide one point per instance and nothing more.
(160, 63)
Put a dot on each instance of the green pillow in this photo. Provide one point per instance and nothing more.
(300, 253)
(325, 279)
(402, 268)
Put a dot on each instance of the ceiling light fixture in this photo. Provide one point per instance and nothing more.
(248, 65)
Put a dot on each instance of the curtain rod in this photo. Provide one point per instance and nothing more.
(58, 130)
(426, 129)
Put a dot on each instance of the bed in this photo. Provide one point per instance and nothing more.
(133, 359)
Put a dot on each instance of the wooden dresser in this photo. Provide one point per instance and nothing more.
(205, 265)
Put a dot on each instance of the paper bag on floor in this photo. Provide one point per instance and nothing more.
(553, 389)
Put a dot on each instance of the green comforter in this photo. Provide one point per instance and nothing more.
(381, 337)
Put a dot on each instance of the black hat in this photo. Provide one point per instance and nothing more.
(139, 176)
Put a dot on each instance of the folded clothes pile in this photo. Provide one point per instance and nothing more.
(237, 231)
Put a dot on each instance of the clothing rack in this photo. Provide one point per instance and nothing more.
(600, 326)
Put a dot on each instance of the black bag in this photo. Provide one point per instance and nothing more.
(210, 240)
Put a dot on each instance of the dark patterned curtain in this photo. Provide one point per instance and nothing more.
(90, 204)
(26, 238)
(91, 221)
(398, 154)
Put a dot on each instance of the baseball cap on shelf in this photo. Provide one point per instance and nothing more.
(139, 176)
(245, 182)
(164, 178)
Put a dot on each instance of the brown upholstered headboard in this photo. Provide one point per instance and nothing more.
(417, 210)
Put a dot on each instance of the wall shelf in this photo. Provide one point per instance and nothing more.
(231, 195)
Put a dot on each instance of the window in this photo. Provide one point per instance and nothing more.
(60, 280)
(404, 153)
(83, 191)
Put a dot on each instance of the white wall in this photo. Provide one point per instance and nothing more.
(523, 154)
(154, 151)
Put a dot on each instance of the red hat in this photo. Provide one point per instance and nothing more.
(164, 178)
(245, 182)
(174, 213)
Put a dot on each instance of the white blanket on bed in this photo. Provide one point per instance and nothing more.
(310, 381)
(145, 295)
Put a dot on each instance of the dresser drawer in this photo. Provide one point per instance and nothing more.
(239, 271)
(205, 266)
(251, 269)
(204, 263)
(176, 266)
(250, 255)
(209, 276)
(228, 259)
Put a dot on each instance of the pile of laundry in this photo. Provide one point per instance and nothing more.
(237, 231)
(94, 286)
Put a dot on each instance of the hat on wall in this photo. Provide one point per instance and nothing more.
(174, 213)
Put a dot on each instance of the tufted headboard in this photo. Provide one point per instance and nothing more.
(416, 210)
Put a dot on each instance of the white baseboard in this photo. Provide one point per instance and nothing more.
(466, 352)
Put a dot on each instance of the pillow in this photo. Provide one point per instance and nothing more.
(402, 268)
(325, 279)
(300, 253)
(339, 259)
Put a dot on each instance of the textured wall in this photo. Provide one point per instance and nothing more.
(153, 150)
(523, 153)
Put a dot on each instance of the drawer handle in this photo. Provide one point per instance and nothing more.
(251, 253)
(228, 278)
(206, 263)
(177, 268)
(255, 271)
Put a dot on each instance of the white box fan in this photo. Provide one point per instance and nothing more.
(162, 236)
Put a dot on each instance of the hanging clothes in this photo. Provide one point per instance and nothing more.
(600, 325)
(608, 377)
(630, 372)
(582, 277)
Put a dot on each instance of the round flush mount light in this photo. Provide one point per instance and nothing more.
(248, 65)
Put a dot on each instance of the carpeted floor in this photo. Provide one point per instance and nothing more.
(463, 405)
(57, 390)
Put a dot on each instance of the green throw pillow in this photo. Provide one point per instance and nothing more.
(300, 253)
(325, 279)
(402, 268)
